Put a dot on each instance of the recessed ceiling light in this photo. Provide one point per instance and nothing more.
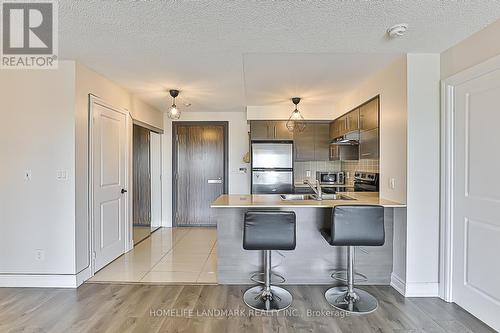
(397, 30)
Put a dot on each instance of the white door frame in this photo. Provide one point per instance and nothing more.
(128, 184)
(447, 145)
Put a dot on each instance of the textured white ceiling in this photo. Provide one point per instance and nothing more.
(220, 53)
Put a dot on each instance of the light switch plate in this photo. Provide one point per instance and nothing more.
(308, 173)
(27, 175)
(392, 183)
(39, 255)
(62, 175)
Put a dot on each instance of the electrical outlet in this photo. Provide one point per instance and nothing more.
(27, 175)
(308, 173)
(62, 175)
(39, 255)
(392, 183)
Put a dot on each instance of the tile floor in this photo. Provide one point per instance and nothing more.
(169, 256)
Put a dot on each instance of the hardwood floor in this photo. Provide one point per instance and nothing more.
(150, 308)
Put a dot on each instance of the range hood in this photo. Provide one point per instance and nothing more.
(349, 139)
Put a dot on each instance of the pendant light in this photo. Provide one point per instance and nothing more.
(296, 122)
(174, 113)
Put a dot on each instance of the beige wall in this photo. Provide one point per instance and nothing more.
(44, 129)
(423, 180)
(37, 131)
(90, 82)
(390, 84)
(471, 51)
(145, 113)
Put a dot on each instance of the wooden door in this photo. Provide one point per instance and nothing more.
(141, 205)
(142, 177)
(200, 172)
(109, 174)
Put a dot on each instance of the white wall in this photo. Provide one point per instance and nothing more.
(473, 50)
(89, 82)
(44, 129)
(145, 113)
(390, 84)
(37, 130)
(422, 249)
(238, 145)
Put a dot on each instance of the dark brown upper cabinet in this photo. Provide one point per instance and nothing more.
(346, 123)
(368, 115)
(269, 130)
(312, 144)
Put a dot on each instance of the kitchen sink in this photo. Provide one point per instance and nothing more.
(325, 196)
(333, 196)
(298, 196)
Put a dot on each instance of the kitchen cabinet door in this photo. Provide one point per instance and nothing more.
(259, 130)
(353, 120)
(368, 144)
(281, 132)
(368, 115)
(304, 143)
(321, 142)
(333, 130)
(334, 153)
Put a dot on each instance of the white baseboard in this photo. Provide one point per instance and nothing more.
(422, 289)
(44, 280)
(398, 284)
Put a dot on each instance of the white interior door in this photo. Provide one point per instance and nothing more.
(109, 183)
(476, 197)
(155, 144)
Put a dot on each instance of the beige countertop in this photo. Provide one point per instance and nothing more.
(275, 201)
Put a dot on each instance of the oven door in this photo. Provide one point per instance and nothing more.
(363, 187)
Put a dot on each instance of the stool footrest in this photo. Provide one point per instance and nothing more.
(342, 276)
(280, 279)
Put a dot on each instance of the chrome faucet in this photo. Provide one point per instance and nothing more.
(316, 187)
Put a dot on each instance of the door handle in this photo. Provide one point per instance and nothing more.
(123, 191)
(215, 181)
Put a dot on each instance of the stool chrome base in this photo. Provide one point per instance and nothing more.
(359, 302)
(278, 299)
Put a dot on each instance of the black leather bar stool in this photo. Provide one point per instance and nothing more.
(267, 231)
(354, 225)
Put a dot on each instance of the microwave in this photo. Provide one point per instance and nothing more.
(330, 178)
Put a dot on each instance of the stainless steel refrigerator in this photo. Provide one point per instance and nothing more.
(272, 167)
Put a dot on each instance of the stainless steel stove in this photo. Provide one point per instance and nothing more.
(366, 181)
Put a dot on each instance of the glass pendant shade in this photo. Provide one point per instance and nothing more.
(174, 113)
(296, 122)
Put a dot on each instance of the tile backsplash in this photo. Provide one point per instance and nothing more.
(349, 167)
(301, 168)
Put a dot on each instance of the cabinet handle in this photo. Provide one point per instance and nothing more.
(275, 131)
